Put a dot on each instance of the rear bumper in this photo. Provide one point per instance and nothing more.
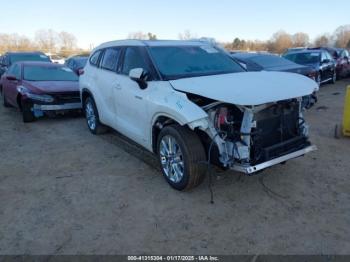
(248, 169)
(68, 106)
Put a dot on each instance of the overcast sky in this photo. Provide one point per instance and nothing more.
(96, 21)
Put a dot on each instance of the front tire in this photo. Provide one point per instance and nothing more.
(4, 101)
(182, 157)
(334, 77)
(92, 117)
(27, 112)
(318, 79)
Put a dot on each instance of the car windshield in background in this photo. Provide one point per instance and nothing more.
(176, 62)
(304, 58)
(29, 57)
(50, 73)
(81, 61)
(270, 61)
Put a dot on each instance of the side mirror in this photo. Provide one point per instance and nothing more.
(11, 78)
(139, 75)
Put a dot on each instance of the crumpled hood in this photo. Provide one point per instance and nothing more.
(248, 88)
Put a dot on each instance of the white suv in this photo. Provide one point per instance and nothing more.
(191, 103)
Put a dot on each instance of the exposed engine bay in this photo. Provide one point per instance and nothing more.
(251, 138)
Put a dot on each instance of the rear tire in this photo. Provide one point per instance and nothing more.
(27, 112)
(4, 101)
(92, 117)
(182, 157)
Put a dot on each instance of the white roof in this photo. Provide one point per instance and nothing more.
(151, 43)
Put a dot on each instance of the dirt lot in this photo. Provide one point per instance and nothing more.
(65, 191)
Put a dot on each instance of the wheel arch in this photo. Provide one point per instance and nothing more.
(85, 93)
(162, 120)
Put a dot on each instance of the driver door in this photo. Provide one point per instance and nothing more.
(132, 101)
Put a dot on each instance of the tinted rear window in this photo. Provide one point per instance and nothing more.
(270, 61)
(28, 57)
(52, 73)
(304, 58)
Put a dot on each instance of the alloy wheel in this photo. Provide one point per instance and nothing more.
(90, 115)
(171, 159)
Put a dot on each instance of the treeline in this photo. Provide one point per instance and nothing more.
(48, 41)
(281, 40)
(65, 44)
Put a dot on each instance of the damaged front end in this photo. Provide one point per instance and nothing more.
(251, 138)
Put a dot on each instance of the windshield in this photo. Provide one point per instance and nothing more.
(49, 73)
(270, 61)
(29, 57)
(304, 58)
(176, 62)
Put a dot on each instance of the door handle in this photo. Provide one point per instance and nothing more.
(139, 97)
(118, 86)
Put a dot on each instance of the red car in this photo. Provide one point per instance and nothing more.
(343, 62)
(37, 88)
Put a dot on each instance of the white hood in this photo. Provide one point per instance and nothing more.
(248, 88)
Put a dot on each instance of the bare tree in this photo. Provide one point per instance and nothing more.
(323, 40)
(15, 42)
(187, 35)
(300, 39)
(151, 36)
(342, 36)
(281, 41)
(47, 40)
(137, 35)
(67, 41)
(142, 36)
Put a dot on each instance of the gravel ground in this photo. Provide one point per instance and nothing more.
(65, 191)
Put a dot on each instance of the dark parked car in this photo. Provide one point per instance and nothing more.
(38, 87)
(76, 63)
(269, 62)
(321, 60)
(10, 58)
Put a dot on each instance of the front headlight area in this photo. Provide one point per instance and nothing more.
(251, 135)
(41, 98)
(230, 129)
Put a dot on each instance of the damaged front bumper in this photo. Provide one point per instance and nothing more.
(252, 138)
(68, 106)
(249, 170)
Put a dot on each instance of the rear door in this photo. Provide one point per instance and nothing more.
(326, 66)
(106, 82)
